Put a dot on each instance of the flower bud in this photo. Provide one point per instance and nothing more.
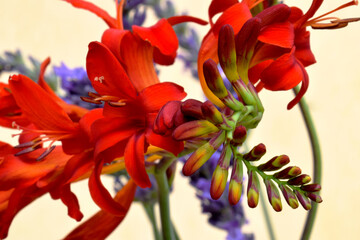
(227, 52)
(299, 180)
(165, 120)
(305, 202)
(202, 154)
(211, 113)
(243, 91)
(239, 135)
(235, 186)
(245, 42)
(216, 85)
(192, 108)
(194, 129)
(275, 163)
(311, 187)
(256, 153)
(273, 195)
(289, 196)
(218, 182)
(288, 172)
(314, 197)
(253, 189)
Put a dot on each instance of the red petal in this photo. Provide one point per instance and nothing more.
(217, 6)
(96, 10)
(109, 140)
(235, 16)
(161, 36)
(106, 73)
(284, 73)
(184, 18)
(112, 39)
(103, 223)
(135, 162)
(304, 87)
(38, 106)
(278, 34)
(136, 52)
(255, 72)
(71, 201)
(100, 194)
(156, 96)
(303, 51)
(167, 143)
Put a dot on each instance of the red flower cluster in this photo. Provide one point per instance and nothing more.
(276, 57)
(121, 69)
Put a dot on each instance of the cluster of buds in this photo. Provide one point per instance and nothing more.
(293, 185)
(205, 128)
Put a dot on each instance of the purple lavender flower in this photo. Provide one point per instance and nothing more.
(222, 214)
(75, 84)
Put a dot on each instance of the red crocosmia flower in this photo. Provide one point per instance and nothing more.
(23, 179)
(129, 113)
(162, 48)
(283, 49)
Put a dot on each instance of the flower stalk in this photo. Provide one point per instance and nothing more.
(317, 162)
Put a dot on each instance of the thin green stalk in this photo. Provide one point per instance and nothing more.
(315, 146)
(149, 209)
(266, 215)
(163, 193)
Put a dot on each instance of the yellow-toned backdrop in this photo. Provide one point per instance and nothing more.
(53, 28)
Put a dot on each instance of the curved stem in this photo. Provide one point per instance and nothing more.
(149, 209)
(267, 216)
(163, 192)
(316, 162)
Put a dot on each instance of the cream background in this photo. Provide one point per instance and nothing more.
(53, 28)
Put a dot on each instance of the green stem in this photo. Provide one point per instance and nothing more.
(163, 193)
(267, 216)
(149, 209)
(316, 161)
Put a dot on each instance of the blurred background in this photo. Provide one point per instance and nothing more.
(43, 28)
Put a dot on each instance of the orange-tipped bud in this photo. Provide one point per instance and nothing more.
(235, 186)
(275, 163)
(311, 187)
(211, 113)
(239, 135)
(256, 153)
(194, 129)
(197, 159)
(253, 189)
(273, 195)
(289, 196)
(299, 180)
(227, 52)
(218, 182)
(304, 201)
(192, 108)
(235, 190)
(288, 172)
(202, 154)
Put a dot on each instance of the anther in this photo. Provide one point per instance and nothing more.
(45, 153)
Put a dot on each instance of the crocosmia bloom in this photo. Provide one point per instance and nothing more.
(277, 58)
